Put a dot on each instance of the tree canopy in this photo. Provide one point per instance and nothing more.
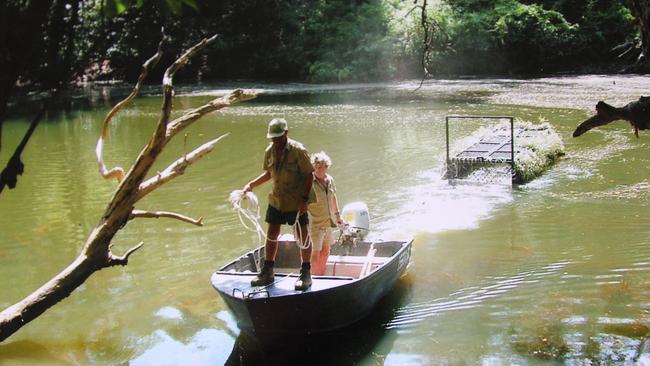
(323, 41)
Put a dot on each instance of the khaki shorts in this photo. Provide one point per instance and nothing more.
(321, 236)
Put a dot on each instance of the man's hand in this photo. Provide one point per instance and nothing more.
(302, 209)
(248, 188)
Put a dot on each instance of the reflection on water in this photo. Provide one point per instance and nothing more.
(365, 342)
(433, 205)
(207, 347)
(556, 271)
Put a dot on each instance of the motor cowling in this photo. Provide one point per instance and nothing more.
(357, 218)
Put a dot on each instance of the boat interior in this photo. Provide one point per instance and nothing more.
(352, 260)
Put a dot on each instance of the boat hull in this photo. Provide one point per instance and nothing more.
(332, 302)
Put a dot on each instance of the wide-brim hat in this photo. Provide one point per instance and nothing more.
(277, 128)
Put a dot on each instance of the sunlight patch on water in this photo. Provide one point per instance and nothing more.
(169, 312)
(575, 320)
(615, 349)
(580, 92)
(395, 358)
(229, 321)
(613, 142)
(206, 347)
(435, 206)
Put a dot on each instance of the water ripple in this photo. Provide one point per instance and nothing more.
(469, 297)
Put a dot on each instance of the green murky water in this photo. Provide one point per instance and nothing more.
(555, 271)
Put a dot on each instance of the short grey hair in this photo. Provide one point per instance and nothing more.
(321, 157)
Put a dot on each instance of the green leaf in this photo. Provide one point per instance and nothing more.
(191, 4)
(119, 7)
(174, 5)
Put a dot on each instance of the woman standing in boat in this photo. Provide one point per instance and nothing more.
(321, 213)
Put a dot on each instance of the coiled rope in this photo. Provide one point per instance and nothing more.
(250, 212)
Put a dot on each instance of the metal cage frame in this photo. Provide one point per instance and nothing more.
(512, 140)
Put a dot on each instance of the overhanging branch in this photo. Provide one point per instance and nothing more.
(172, 215)
(124, 259)
(118, 172)
(176, 168)
(184, 59)
(237, 95)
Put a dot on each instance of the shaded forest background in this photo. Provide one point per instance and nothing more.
(46, 46)
(322, 41)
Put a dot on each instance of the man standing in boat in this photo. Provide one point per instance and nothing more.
(287, 164)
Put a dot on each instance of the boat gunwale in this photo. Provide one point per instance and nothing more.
(349, 281)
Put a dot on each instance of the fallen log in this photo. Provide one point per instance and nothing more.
(637, 113)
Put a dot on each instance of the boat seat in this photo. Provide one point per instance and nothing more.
(341, 265)
(356, 259)
(352, 265)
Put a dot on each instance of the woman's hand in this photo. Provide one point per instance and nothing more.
(339, 220)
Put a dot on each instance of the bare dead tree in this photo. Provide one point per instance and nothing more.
(96, 253)
(637, 113)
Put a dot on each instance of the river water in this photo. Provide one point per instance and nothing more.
(556, 271)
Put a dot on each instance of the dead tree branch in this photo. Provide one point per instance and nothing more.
(188, 118)
(172, 215)
(118, 172)
(124, 259)
(96, 254)
(176, 168)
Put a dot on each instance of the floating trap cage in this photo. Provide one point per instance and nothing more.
(508, 152)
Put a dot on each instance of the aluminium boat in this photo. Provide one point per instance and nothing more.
(358, 274)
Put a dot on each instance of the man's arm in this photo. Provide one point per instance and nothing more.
(306, 169)
(308, 182)
(261, 179)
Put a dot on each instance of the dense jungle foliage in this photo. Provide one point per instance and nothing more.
(319, 41)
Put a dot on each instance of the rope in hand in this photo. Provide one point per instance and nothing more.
(250, 212)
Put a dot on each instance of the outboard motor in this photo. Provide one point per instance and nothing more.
(357, 217)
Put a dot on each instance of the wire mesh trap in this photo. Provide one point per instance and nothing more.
(504, 152)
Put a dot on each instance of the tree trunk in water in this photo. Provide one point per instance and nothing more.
(637, 113)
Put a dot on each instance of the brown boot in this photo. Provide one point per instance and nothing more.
(304, 281)
(265, 277)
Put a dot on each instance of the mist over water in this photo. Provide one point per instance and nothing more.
(557, 270)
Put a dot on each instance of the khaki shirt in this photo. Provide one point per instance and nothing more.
(289, 175)
(320, 212)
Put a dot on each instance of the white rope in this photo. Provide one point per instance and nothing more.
(297, 233)
(250, 212)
